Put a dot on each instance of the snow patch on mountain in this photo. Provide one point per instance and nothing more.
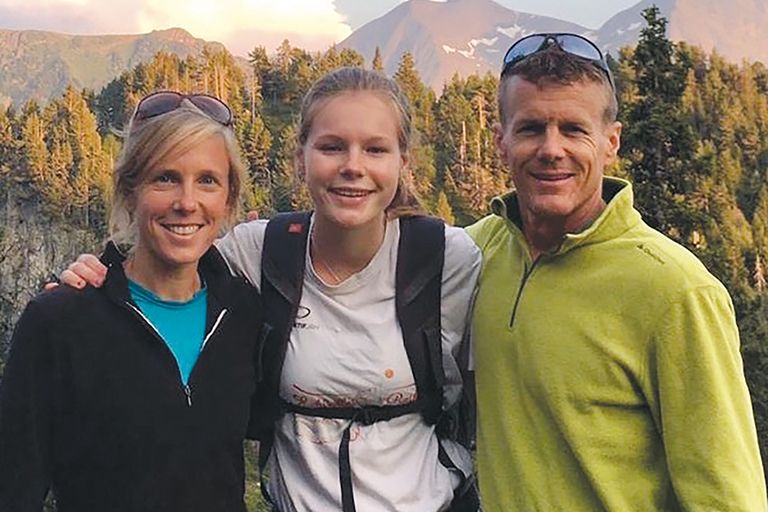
(630, 28)
(514, 31)
(472, 44)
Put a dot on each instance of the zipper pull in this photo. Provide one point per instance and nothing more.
(188, 392)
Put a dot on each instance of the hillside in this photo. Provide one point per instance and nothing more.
(39, 65)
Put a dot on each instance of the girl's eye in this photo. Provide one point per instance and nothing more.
(330, 148)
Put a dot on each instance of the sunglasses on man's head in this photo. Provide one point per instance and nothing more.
(569, 43)
(162, 102)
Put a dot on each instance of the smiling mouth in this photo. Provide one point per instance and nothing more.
(183, 229)
(552, 177)
(350, 192)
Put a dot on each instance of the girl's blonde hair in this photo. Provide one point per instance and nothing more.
(148, 142)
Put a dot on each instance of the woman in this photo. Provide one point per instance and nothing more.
(136, 396)
(347, 348)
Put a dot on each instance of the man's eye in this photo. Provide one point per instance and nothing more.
(574, 129)
(529, 128)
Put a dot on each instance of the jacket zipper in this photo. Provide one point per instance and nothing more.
(526, 275)
(185, 387)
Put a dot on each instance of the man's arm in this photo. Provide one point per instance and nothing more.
(703, 408)
(25, 415)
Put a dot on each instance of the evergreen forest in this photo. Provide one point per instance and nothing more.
(694, 143)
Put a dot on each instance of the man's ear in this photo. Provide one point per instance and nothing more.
(498, 140)
(613, 134)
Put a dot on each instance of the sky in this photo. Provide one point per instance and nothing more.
(243, 24)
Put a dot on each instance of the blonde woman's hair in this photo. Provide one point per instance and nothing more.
(350, 79)
(148, 142)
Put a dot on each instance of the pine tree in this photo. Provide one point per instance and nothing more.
(377, 64)
(421, 100)
(443, 209)
(256, 143)
(10, 158)
(657, 138)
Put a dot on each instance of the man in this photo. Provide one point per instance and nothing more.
(609, 374)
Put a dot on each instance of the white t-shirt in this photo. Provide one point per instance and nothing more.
(345, 350)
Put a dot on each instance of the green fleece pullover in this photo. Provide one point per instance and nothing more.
(608, 373)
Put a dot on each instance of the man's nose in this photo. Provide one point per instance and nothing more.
(551, 147)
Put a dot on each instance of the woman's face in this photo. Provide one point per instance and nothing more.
(352, 159)
(181, 205)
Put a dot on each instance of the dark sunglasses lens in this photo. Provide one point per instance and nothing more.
(523, 48)
(157, 104)
(213, 108)
(578, 46)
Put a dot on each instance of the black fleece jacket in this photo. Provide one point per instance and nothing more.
(92, 405)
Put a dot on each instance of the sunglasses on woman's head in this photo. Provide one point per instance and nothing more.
(162, 102)
(569, 43)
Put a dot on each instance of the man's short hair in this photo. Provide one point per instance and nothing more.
(554, 66)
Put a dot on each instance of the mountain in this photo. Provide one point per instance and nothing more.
(472, 35)
(736, 29)
(39, 65)
(445, 37)
(455, 36)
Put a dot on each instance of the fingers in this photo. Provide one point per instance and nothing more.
(70, 278)
(50, 286)
(93, 271)
(252, 215)
(86, 270)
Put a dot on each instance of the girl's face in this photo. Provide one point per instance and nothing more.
(352, 159)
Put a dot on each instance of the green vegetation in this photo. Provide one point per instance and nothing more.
(695, 144)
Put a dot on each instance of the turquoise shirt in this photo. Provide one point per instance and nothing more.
(180, 324)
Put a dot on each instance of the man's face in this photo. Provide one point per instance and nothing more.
(556, 145)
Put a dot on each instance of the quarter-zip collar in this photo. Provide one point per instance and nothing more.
(212, 268)
(617, 217)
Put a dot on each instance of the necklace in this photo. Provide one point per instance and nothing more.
(330, 270)
(326, 266)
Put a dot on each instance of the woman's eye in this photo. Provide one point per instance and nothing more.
(330, 148)
(378, 149)
(164, 178)
(208, 180)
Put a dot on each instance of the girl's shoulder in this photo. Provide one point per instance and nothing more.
(460, 248)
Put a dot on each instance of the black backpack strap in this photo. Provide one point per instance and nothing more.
(420, 261)
(282, 278)
(418, 282)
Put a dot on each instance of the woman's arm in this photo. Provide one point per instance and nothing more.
(26, 414)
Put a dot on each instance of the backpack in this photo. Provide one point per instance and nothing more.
(418, 279)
